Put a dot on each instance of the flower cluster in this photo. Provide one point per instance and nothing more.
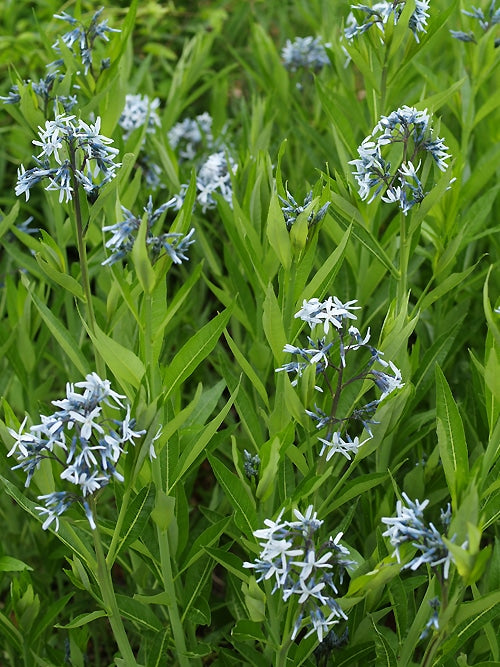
(194, 143)
(124, 234)
(291, 210)
(303, 570)
(82, 156)
(412, 130)
(44, 90)
(329, 354)
(84, 36)
(251, 464)
(212, 178)
(379, 15)
(189, 136)
(138, 110)
(486, 22)
(433, 622)
(80, 438)
(409, 526)
(305, 52)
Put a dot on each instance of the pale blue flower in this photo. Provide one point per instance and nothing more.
(380, 13)
(138, 110)
(409, 526)
(303, 569)
(81, 439)
(305, 52)
(251, 464)
(401, 184)
(191, 136)
(433, 622)
(84, 36)
(67, 142)
(329, 356)
(124, 234)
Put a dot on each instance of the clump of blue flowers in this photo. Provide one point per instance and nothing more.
(291, 210)
(305, 52)
(329, 352)
(44, 89)
(84, 37)
(193, 141)
(380, 13)
(124, 234)
(85, 442)
(138, 111)
(409, 526)
(486, 19)
(212, 178)
(251, 465)
(192, 136)
(303, 570)
(73, 154)
(411, 131)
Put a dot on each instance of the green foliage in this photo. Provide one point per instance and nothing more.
(194, 345)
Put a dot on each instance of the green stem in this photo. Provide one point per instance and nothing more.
(282, 656)
(431, 651)
(289, 294)
(404, 255)
(168, 580)
(110, 604)
(434, 644)
(154, 388)
(82, 254)
(110, 558)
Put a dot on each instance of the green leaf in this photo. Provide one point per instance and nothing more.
(140, 614)
(59, 278)
(202, 543)
(273, 323)
(243, 504)
(194, 351)
(346, 215)
(67, 342)
(447, 285)
(384, 651)
(277, 233)
(192, 452)
(6, 221)
(136, 517)
(11, 634)
(68, 534)
(327, 272)
(247, 369)
(245, 630)
(179, 298)
(485, 168)
(270, 456)
(164, 511)
(229, 562)
(52, 612)
(162, 598)
(83, 619)
(353, 489)
(124, 364)
(195, 603)
(471, 618)
(435, 354)
(140, 257)
(10, 564)
(451, 439)
(436, 101)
